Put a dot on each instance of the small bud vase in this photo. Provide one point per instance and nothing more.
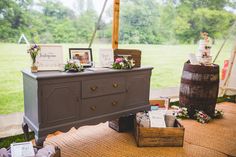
(34, 68)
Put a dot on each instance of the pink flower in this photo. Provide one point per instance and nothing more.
(118, 60)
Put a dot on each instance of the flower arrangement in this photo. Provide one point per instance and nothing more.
(123, 63)
(73, 66)
(202, 117)
(33, 51)
(218, 114)
(181, 112)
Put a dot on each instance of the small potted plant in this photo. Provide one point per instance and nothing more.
(34, 51)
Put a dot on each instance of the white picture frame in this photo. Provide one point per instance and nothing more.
(50, 57)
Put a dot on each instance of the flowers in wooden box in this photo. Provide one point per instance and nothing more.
(123, 63)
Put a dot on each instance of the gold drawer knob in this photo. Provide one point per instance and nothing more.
(114, 103)
(93, 108)
(115, 85)
(94, 88)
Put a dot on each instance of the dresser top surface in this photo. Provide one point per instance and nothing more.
(89, 71)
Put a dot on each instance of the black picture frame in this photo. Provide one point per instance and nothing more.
(84, 55)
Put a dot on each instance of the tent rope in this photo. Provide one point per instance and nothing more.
(98, 22)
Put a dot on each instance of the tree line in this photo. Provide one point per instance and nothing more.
(141, 21)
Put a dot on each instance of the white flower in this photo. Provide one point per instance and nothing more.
(122, 64)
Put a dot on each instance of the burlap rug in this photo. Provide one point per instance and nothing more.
(215, 139)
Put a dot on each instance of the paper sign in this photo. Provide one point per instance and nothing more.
(106, 57)
(192, 58)
(23, 149)
(157, 119)
(50, 57)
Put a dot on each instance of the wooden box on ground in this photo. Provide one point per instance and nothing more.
(134, 53)
(122, 124)
(159, 137)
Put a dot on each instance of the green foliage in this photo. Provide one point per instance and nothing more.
(57, 10)
(213, 21)
(224, 98)
(194, 16)
(85, 26)
(137, 22)
(13, 19)
(6, 142)
(141, 21)
(216, 22)
(55, 23)
(211, 4)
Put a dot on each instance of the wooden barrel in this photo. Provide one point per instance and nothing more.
(199, 88)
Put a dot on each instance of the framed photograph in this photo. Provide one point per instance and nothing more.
(50, 57)
(84, 55)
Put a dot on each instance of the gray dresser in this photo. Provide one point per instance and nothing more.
(58, 100)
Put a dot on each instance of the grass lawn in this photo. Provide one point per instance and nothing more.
(167, 61)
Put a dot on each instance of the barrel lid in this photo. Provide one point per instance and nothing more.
(201, 68)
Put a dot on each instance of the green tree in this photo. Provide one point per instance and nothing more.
(137, 22)
(210, 4)
(52, 8)
(14, 19)
(194, 16)
(85, 24)
(165, 24)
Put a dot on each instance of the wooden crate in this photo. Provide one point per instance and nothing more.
(122, 124)
(159, 137)
(134, 53)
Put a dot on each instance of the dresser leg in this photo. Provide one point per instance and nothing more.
(39, 141)
(25, 129)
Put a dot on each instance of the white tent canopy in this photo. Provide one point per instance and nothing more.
(228, 85)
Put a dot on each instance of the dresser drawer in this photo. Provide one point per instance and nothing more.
(101, 105)
(92, 88)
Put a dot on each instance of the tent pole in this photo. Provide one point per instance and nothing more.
(97, 25)
(115, 29)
